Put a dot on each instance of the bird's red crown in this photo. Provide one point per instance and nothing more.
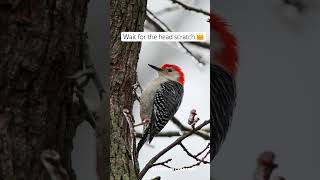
(228, 55)
(176, 68)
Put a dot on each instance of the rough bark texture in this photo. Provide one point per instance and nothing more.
(40, 44)
(126, 15)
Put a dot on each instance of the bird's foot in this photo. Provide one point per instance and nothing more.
(144, 122)
(135, 88)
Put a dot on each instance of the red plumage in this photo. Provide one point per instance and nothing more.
(178, 69)
(228, 55)
(222, 84)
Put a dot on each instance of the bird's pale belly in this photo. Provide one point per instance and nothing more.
(146, 99)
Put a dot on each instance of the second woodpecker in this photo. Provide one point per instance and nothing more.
(223, 69)
(160, 100)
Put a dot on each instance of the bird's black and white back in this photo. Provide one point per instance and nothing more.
(166, 103)
(222, 102)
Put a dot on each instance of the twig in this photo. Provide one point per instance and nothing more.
(129, 119)
(207, 147)
(167, 10)
(207, 130)
(200, 44)
(195, 156)
(168, 148)
(190, 8)
(163, 134)
(182, 127)
(156, 178)
(162, 163)
(198, 58)
(196, 164)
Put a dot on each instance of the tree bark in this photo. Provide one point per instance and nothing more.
(40, 44)
(125, 16)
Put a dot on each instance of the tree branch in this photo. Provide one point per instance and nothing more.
(162, 134)
(132, 144)
(182, 127)
(190, 8)
(168, 148)
(165, 28)
(196, 156)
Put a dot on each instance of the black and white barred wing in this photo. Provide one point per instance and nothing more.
(222, 102)
(167, 101)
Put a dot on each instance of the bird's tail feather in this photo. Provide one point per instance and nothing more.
(143, 139)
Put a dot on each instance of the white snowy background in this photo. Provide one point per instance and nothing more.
(196, 90)
(278, 82)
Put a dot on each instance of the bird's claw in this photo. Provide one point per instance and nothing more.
(144, 122)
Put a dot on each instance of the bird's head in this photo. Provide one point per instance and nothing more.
(225, 51)
(171, 72)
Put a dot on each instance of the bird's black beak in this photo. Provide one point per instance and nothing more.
(155, 67)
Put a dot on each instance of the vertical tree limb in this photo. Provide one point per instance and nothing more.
(40, 44)
(126, 15)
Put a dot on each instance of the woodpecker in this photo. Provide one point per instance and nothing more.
(160, 100)
(223, 69)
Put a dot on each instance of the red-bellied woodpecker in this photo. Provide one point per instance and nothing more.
(160, 100)
(222, 83)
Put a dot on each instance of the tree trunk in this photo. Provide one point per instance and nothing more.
(40, 44)
(126, 15)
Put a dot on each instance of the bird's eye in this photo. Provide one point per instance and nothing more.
(169, 70)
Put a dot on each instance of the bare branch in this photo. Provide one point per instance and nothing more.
(157, 178)
(165, 28)
(168, 148)
(196, 164)
(190, 8)
(207, 130)
(182, 127)
(167, 10)
(162, 163)
(162, 134)
(196, 156)
(130, 121)
(200, 44)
